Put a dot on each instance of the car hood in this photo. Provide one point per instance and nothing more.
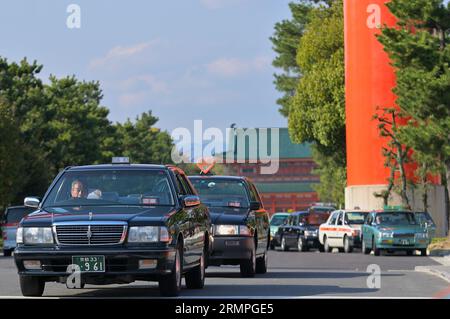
(228, 215)
(129, 214)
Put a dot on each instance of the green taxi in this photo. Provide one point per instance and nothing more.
(391, 230)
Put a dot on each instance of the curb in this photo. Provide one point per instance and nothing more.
(434, 271)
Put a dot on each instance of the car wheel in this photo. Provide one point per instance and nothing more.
(248, 266)
(7, 252)
(284, 247)
(347, 247)
(170, 285)
(195, 278)
(364, 248)
(326, 246)
(261, 264)
(300, 244)
(31, 286)
(272, 246)
(424, 252)
(321, 248)
(376, 251)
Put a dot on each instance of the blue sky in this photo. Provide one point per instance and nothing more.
(184, 59)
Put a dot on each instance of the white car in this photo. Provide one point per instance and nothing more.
(342, 230)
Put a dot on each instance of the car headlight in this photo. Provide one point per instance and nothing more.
(34, 235)
(311, 233)
(232, 230)
(387, 234)
(421, 235)
(148, 234)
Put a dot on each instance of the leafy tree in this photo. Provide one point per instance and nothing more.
(285, 44)
(317, 110)
(419, 49)
(143, 142)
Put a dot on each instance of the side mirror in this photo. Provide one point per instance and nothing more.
(32, 202)
(255, 205)
(191, 200)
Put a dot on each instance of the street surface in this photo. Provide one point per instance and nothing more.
(291, 274)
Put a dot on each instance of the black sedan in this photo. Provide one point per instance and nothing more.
(301, 231)
(240, 222)
(107, 224)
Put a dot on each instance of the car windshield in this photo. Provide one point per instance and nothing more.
(15, 215)
(395, 218)
(355, 218)
(314, 218)
(222, 192)
(111, 187)
(278, 220)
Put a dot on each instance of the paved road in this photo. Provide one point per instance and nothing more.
(291, 274)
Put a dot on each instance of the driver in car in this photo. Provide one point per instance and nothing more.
(78, 190)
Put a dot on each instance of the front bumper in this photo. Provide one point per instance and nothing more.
(402, 244)
(231, 249)
(312, 241)
(118, 261)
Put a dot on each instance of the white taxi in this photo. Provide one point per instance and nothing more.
(342, 230)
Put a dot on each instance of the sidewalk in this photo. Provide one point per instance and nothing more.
(442, 270)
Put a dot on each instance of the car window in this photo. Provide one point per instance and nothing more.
(355, 218)
(182, 185)
(217, 192)
(111, 187)
(395, 218)
(15, 215)
(278, 220)
(332, 220)
(340, 219)
(369, 219)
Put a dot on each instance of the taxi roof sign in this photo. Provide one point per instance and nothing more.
(120, 160)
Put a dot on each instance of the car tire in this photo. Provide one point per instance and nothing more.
(272, 246)
(195, 278)
(170, 285)
(424, 252)
(248, 266)
(300, 245)
(376, 251)
(347, 247)
(7, 252)
(364, 248)
(326, 247)
(321, 248)
(31, 286)
(261, 264)
(283, 246)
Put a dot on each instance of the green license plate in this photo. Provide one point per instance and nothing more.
(404, 242)
(90, 263)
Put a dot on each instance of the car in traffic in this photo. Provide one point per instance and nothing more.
(393, 230)
(426, 221)
(342, 230)
(276, 221)
(301, 230)
(11, 218)
(115, 224)
(240, 222)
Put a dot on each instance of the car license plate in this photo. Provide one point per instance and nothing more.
(90, 263)
(404, 242)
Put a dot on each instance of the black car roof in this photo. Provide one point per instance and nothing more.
(116, 167)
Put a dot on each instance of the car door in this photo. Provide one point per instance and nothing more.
(339, 231)
(330, 228)
(366, 232)
(262, 220)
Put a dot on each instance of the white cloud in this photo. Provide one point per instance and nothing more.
(230, 67)
(149, 81)
(130, 100)
(119, 53)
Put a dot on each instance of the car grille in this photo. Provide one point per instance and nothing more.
(408, 235)
(90, 234)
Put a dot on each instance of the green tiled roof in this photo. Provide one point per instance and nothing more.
(287, 187)
(287, 149)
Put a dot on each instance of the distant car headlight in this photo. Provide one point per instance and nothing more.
(232, 230)
(387, 234)
(148, 234)
(34, 235)
(311, 233)
(421, 235)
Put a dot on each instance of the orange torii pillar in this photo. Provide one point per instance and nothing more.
(369, 81)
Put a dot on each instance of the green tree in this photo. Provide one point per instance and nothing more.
(317, 110)
(419, 49)
(143, 142)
